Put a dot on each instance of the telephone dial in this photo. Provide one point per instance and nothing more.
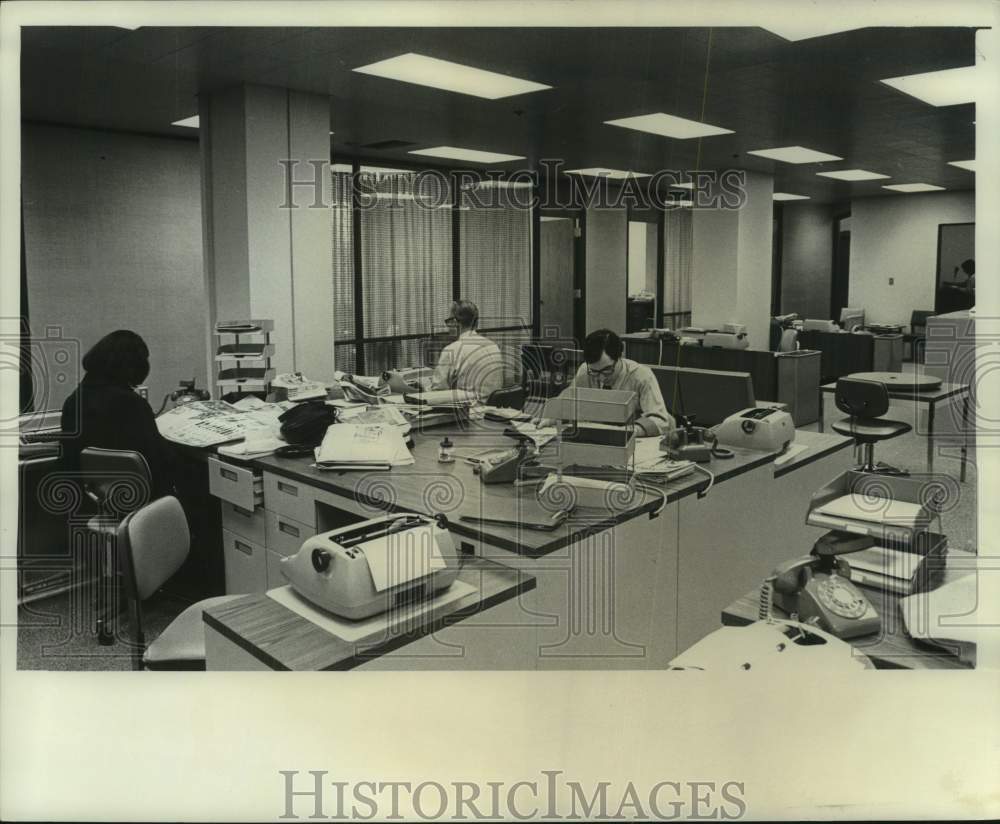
(817, 588)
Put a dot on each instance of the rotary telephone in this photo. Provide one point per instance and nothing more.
(504, 467)
(817, 588)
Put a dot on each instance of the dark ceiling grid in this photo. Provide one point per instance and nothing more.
(822, 93)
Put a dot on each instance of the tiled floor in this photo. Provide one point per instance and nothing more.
(48, 639)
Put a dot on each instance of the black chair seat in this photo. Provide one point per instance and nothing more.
(870, 429)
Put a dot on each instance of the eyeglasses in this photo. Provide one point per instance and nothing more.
(601, 373)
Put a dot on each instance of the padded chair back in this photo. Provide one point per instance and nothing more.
(918, 321)
(153, 543)
(511, 397)
(789, 340)
(118, 480)
(861, 398)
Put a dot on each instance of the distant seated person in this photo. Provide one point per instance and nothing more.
(105, 411)
(605, 368)
(470, 362)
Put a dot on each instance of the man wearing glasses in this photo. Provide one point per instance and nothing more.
(605, 368)
(471, 361)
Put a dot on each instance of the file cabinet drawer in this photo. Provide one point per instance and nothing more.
(285, 535)
(246, 569)
(235, 484)
(247, 523)
(274, 576)
(292, 498)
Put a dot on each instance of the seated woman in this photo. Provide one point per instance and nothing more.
(105, 411)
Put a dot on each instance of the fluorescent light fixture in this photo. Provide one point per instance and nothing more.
(968, 165)
(130, 28)
(944, 88)
(611, 174)
(853, 174)
(669, 126)
(803, 31)
(190, 122)
(470, 155)
(688, 185)
(451, 77)
(549, 218)
(795, 154)
(788, 196)
(914, 187)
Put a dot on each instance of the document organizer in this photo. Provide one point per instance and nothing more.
(895, 512)
(250, 369)
(596, 427)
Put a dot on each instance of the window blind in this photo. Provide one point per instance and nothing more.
(343, 269)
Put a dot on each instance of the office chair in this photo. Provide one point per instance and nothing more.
(118, 482)
(511, 397)
(153, 543)
(865, 402)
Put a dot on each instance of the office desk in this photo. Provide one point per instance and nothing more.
(256, 632)
(890, 649)
(930, 397)
(622, 590)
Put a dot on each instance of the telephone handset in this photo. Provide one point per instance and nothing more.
(818, 588)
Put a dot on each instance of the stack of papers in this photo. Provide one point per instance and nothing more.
(875, 510)
(443, 398)
(652, 464)
(359, 446)
(210, 423)
(376, 416)
(538, 435)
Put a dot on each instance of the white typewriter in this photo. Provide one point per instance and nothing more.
(370, 567)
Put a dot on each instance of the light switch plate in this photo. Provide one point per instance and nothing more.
(892, 281)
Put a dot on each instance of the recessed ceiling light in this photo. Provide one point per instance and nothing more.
(944, 88)
(687, 185)
(969, 165)
(803, 31)
(795, 154)
(130, 28)
(853, 174)
(451, 77)
(668, 126)
(470, 155)
(190, 122)
(914, 187)
(549, 218)
(611, 174)
(680, 203)
(788, 196)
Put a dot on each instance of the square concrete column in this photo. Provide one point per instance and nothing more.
(267, 224)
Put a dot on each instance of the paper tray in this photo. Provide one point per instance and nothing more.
(916, 494)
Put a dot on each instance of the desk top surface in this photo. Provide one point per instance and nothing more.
(892, 648)
(939, 393)
(453, 489)
(284, 640)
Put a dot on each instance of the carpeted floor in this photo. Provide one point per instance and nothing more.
(52, 633)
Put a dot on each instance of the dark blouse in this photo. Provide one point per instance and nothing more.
(114, 417)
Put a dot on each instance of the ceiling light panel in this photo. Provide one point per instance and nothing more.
(788, 196)
(451, 77)
(795, 154)
(853, 174)
(968, 165)
(612, 174)
(468, 155)
(667, 125)
(914, 187)
(944, 88)
(804, 31)
(190, 122)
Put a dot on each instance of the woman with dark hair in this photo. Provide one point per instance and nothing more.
(105, 411)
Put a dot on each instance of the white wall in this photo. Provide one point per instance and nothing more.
(896, 237)
(112, 226)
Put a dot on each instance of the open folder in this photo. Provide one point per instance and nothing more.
(359, 446)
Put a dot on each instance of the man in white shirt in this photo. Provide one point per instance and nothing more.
(605, 368)
(471, 361)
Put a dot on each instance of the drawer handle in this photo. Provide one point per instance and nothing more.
(239, 510)
(288, 528)
(246, 549)
(289, 488)
(228, 474)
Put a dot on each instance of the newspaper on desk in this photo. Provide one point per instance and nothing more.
(652, 464)
(211, 423)
(359, 446)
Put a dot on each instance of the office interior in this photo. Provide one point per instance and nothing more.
(158, 196)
